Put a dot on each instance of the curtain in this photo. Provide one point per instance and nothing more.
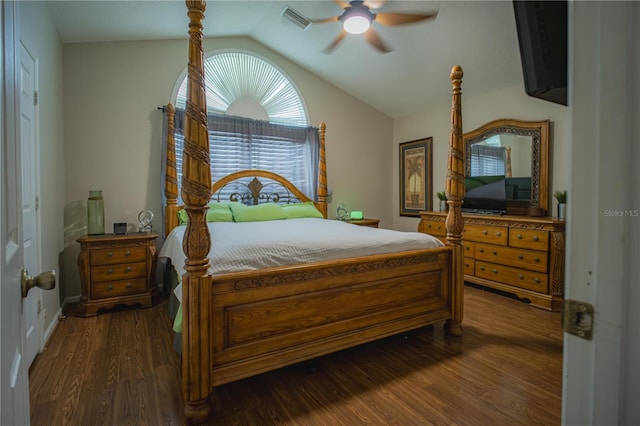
(238, 143)
(488, 160)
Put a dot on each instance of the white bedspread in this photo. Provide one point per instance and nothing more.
(255, 245)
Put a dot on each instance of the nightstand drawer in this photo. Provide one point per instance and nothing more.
(123, 271)
(118, 288)
(486, 234)
(118, 255)
(529, 280)
(530, 239)
(528, 259)
(468, 248)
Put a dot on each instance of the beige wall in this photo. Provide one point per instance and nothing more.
(511, 102)
(41, 39)
(113, 129)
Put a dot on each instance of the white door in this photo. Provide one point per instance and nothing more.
(14, 380)
(30, 166)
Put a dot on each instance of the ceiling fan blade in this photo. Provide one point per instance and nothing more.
(374, 4)
(374, 39)
(342, 4)
(322, 21)
(338, 39)
(391, 18)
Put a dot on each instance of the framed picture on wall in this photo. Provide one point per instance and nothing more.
(415, 176)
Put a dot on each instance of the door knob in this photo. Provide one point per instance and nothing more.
(45, 280)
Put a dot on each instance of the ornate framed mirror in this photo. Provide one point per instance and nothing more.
(517, 149)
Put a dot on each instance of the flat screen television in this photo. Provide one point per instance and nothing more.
(542, 35)
(485, 194)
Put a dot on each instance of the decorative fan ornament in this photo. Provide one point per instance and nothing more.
(145, 217)
(358, 18)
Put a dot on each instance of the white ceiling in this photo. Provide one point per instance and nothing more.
(478, 35)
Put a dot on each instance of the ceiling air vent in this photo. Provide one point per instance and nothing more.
(295, 17)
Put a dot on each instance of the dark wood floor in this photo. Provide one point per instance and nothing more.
(119, 369)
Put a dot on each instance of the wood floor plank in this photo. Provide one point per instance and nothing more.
(119, 368)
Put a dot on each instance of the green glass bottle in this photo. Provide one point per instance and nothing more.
(95, 213)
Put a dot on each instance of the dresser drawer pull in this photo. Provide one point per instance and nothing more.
(484, 232)
(439, 226)
(495, 271)
(536, 279)
(499, 234)
(535, 238)
(110, 287)
(495, 253)
(482, 268)
(128, 269)
(521, 276)
(129, 285)
(127, 253)
(481, 250)
(110, 254)
(109, 271)
(536, 259)
(429, 226)
(520, 257)
(519, 236)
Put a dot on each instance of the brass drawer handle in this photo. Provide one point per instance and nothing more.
(484, 232)
(519, 236)
(520, 257)
(481, 250)
(495, 271)
(499, 234)
(128, 269)
(495, 253)
(536, 259)
(110, 287)
(110, 254)
(129, 284)
(521, 276)
(109, 271)
(536, 279)
(482, 268)
(535, 238)
(429, 225)
(127, 253)
(439, 226)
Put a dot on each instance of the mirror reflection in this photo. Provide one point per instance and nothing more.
(517, 151)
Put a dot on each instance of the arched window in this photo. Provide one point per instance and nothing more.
(257, 120)
(241, 84)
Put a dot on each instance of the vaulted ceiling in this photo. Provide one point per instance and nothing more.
(478, 35)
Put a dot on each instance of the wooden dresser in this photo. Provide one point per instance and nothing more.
(117, 269)
(517, 254)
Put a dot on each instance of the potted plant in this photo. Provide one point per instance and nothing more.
(442, 196)
(561, 198)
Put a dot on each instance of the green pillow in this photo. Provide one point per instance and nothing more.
(267, 211)
(300, 210)
(218, 212)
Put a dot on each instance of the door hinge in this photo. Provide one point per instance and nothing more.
(578, 318)
(35, 98)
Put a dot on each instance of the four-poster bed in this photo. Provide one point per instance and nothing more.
(235, 325)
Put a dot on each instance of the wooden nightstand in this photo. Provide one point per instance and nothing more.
(373, 223)
(117, 270)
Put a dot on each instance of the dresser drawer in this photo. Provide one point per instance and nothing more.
(118, 255)
(118, 288)
(529, 238)
(123, 271)
(529, 280)
(486, 234)
(528, 259)
(469, 266)
(468, 248)
(434, 227)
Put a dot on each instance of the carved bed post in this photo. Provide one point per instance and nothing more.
(322, 179)
(196, 192)
(171, 174)
(455, 195)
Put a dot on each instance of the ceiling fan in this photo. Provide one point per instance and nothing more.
(357, 18)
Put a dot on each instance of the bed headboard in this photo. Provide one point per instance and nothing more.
(261, 185)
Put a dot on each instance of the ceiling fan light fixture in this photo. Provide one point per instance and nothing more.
(356, 24)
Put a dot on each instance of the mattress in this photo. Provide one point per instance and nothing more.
(242, 246)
